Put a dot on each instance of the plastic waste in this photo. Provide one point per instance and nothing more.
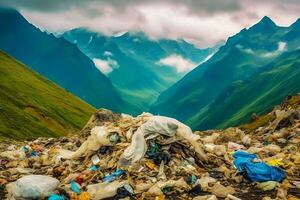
(99, 137)
(256, 171)
(162, 157)
(113, 176)
(13, 155)
(94, 168)
(75, 187)
(82, 196)
(56, 197)
(124, 191)
(150, 164)
(268, 185)
(191, 180)
(221, 191)
(234, 146)
(156, 189)
(104, 190)
(206, 197)
(114, 138)
(275, 162)
(164, 126)
(205, 181)
(95, 159)
(229, 196)
(161, 174)
(32, 187)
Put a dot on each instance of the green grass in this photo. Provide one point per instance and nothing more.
(32, 106)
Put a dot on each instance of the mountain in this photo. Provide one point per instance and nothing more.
(243, 56)
(32, 106)
(259, 94)
(132, 62)
(57, 59)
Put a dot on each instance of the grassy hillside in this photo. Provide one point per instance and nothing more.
(32, 106)
(256, 95)
(56, 59)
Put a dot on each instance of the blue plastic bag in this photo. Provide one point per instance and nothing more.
(257, 171)
(113, 176)
(56, 197)
(75, 188)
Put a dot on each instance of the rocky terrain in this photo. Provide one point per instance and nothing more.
(150, 157)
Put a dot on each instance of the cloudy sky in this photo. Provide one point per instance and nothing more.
(203, 22)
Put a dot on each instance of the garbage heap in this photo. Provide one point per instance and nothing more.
(152, 157)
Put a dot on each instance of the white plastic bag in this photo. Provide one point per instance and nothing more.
(99, 137)
(104, 190)
(32, 187)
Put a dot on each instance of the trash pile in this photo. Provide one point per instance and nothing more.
(118, 156)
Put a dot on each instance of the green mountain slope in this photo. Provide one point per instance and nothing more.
(56, 59)
(134, 59)
(257, 95)
(243, 55)
(32, 106)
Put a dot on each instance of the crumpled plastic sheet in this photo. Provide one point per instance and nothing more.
(104, 190)
(32, 187)
(99, 137)
(156, 189)
(164, 126)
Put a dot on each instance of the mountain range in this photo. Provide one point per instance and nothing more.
(131, 72)
(134, 62)
(252, 72)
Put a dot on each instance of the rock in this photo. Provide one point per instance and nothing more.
(222, 191)
(32, 187)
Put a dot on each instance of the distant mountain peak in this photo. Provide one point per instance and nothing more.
(266, 24)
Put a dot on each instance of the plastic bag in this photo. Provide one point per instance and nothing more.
(32, 187)
(257, 171)
(164, 126)
(99, 137)
(104, 190)
(157, 187)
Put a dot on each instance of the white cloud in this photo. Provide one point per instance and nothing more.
(281, 46)
(204, 22)
(246, 50)
(108, 53)
(177, 61)
(105, 66)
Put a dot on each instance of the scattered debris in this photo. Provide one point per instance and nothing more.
(153, 157)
